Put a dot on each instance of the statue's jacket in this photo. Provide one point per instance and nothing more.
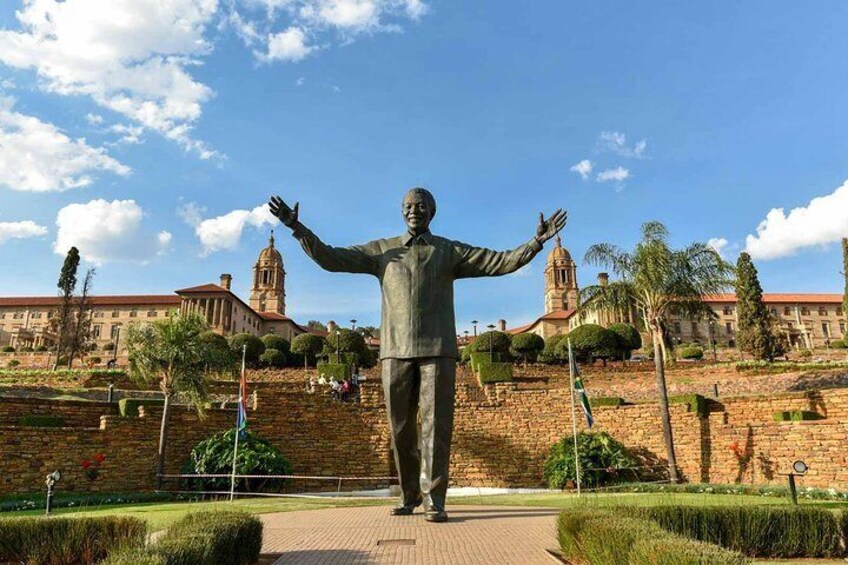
(416, 275)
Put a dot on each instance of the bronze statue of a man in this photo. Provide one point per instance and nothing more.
(418, 347)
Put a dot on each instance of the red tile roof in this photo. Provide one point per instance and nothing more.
(104, 300)
(273, 316)
(783, 298)
(555, 315)
(202, 288)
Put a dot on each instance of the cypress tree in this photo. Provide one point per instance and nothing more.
(754, 332)
(67, 284)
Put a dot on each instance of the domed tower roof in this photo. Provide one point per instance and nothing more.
(270, 253)
(559, 252)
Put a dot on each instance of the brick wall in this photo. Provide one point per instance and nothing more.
(501, 437)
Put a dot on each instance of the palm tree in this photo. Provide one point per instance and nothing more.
(175, 352)
(656, 280)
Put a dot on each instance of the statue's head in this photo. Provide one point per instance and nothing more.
(418, 209)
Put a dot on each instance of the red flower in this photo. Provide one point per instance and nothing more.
(100, 458)
(86, 464)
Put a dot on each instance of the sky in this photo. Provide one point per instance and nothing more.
(150, 133)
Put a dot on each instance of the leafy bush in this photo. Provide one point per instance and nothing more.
(8, 349)
(38, 421)
(494, 373)
(526, 346)
(135, 556)
(797, 416)
(335, 371)
(601, 460)
(41, 348)
(757, 531)
(479, 358)
(234, 538)
(629, 338)
(256, 456)
(495, 341)
(692, 352)
(109, 346)
(842, 344)
(275, 341)
(349, 341)
(255, 347)
(13, 363)
(272, 358)
(67, 541)
(588, 342)
(805, 353)
(26, 349)
(550, 354)
(128, 407)
(672, 550)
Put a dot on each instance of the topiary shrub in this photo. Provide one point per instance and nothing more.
(550, 353)
(26, 349)
(256, 456)
(697, 403)
(138, 556)
(13, 363)
(109, 346)
(278, 342)
(805, 353)
(95, 360)
(490, 373)
(478, 359)
(606, 401)
(8, 349)
(255, 347)
(602, 461)
(335, 371)
(692, 352)
(629, 338)
(41, 348)
(526, 346)
(272, 358)
(497, 342)
(588, 342)
(234, 538)
(797, 416)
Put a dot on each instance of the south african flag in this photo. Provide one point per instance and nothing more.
(581, 392)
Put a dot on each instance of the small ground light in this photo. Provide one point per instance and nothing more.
(51, 481)
(798, 468)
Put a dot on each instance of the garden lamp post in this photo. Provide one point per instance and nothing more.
(798, 468)
(338, 333)
(51, 481)
(353, 324)
(474, 323)
(491, 358)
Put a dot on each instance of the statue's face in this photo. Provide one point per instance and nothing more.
(417, 212)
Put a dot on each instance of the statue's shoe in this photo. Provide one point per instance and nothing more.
(436, 514)
(406, 509)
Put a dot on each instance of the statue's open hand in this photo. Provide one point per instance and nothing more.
(549, 228)
(280, 209)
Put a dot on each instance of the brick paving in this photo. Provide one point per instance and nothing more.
(369, 535)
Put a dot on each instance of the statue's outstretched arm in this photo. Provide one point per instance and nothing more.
(356, 259)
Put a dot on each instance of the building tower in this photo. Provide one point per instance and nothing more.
(269, 281)
(561, 292)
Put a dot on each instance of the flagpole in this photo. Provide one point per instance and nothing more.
(236, 441)
(573, 416)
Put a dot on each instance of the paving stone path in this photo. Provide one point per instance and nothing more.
(368, 535)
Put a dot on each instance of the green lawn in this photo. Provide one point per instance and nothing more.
(160, 515)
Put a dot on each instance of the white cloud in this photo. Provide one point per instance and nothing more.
(289, 45)
(94, 119)
(824, 220)
(20, 230)
(108, 231)
(719, 244)
(129, 134)
(619, 174)
(617, 143)
(130, 56)
(300, 81)
(224, 232)
(37, 157)
(583, 168)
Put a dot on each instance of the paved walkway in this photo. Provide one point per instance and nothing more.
(368, 535)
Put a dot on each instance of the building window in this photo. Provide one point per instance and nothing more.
(95, 331)
(773, 311)
(787, 311)
(151, 313)
(50, 314)
(98, 314)
(36, 315)
(2, 315)
(728, 311)
(825, 329)
(842, 327)
(134, 313)
(805, 311)
(115, 313)
(694, 328)
(839, 310)
(677, 328)
(822, 311)
(791, 326)
(113, 333)
(17, 315)
(728, 326)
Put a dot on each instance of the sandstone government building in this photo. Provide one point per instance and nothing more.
(809, 320)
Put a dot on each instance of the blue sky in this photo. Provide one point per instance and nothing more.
(164, 125)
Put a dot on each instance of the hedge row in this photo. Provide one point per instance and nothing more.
(696, 402)
(234, 538)
(756, 531)
(67, 541)
(797, 416)
(495, 373)
(598, 537)
(749, 490)
(129, 406)
(335, 371)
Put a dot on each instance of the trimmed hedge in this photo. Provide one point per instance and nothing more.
(129, 406)
(135, 557)
(234, 538)
(797, 416)
(478, 359)
(68, 541)
(337, 371)
(39, 421)
(598, 537)
(756, 531)
(495, 373)
(696, 402)
(606, 401)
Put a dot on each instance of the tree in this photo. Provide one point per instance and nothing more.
(368, 331)
(656, 280)
(278, 342)
(527, 346)
(549, 354)
(754, 331)
(175, 353)
(272, 358)
(348, 341)
(316, 325)
(255, 347)
(79, 330)
(494, 341)
(309, 346)
(67, 284)
(629, 338)
(588, 342)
